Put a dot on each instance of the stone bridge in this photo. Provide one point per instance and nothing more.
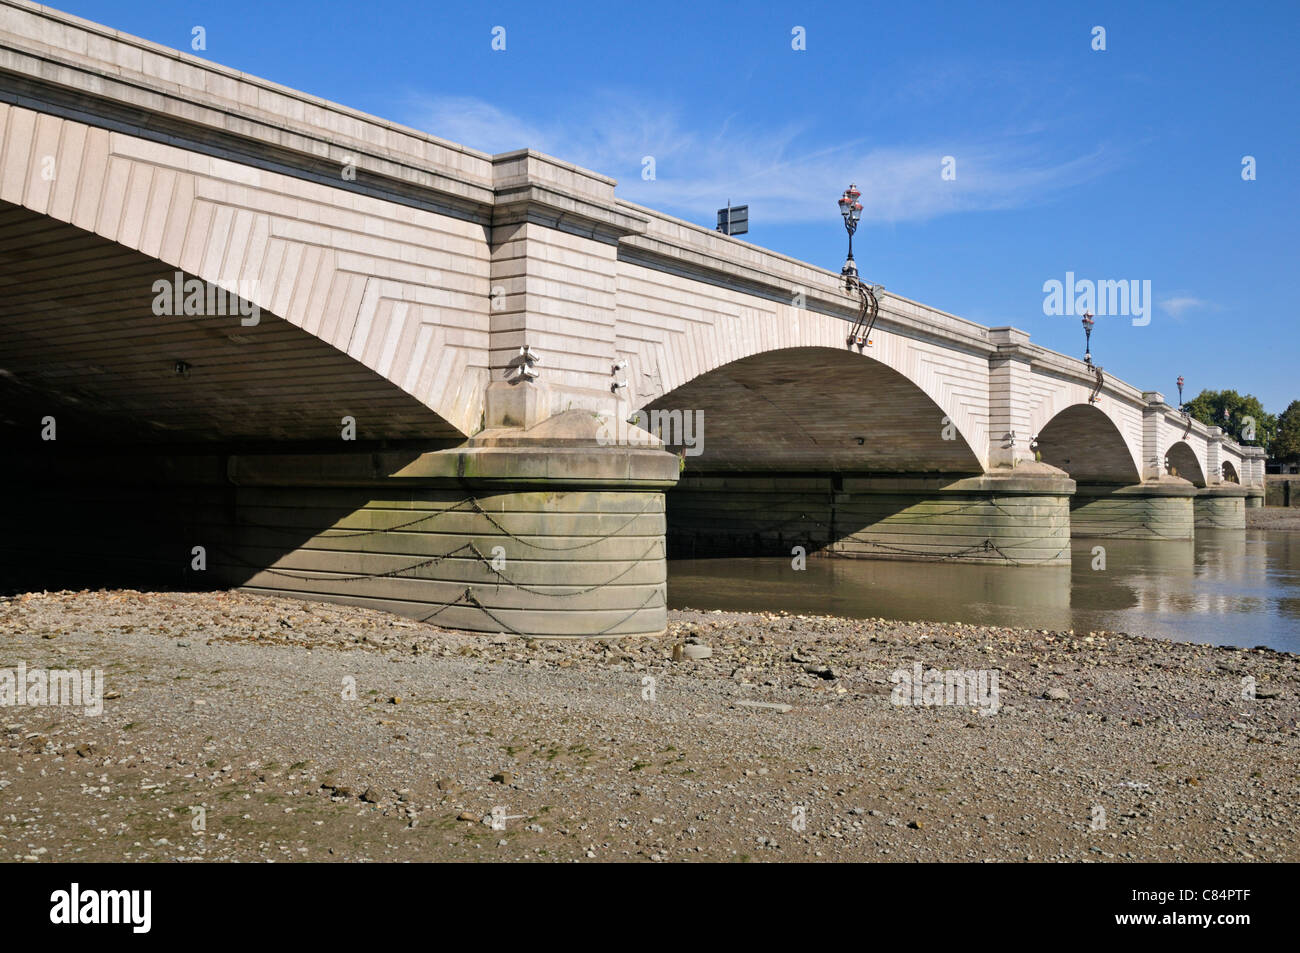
(252, 338)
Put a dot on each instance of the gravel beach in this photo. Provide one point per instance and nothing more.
(229, 731)
(1274, 518)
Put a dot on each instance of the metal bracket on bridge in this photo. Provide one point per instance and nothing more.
(1096, 390)
(867, 314)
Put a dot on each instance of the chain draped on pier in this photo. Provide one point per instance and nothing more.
(470, 504)
(987, 546)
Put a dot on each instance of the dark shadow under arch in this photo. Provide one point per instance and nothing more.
(139, 470)
(818, 409)
(1180, 461)
(79, 341)
(1084, 442)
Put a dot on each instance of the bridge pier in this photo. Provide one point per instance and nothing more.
(1009, 517)
(1159, 508)
(1220, 507)
(553, 536)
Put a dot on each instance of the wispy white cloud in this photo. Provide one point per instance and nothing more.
(785, 174)
(1179, 305)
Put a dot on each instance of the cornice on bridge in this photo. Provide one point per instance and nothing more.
(50, 59)
(531, 186)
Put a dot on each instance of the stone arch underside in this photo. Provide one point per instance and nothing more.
(806, 409)
(397, 289)
(79, 341)
(1230, 474)
(1083, 441)
(1181, 460)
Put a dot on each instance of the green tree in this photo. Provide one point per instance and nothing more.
(1286, 445)
(1208, 407)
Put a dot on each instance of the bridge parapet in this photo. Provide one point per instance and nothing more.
(81, 69)
(725, 260)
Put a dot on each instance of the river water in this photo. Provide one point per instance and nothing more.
(1224, 588)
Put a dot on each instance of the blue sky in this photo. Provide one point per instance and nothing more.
(1116, 164)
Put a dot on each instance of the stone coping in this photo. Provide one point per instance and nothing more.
(1225, 490)
(1048, 481)
(555, 467)
(613, 467)
(1163, 487)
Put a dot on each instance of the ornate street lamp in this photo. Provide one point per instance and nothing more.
(1087, 336)
(860, 335)
(851, 209)
(1180, 391)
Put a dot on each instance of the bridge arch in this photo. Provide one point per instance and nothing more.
(93, 335)
(1230, 472)
(818, 409)
(1182, 460)
(343, 272)
(723, 326)
(1086, 443)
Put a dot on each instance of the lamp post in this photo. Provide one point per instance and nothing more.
(1181, 406)
(851, 209)
(1087, 337)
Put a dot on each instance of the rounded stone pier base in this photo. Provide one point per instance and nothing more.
(1154, 509)
(1009, 516)
(1221, 507)
(539, 533)
(1254, 497)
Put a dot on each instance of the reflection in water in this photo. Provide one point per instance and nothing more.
(1226, 588)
